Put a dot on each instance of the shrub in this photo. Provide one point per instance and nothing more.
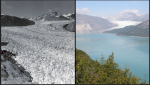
(107, 71)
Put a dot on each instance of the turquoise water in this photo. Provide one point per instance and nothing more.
(132, 52)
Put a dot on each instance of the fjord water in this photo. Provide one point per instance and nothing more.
(132, 52)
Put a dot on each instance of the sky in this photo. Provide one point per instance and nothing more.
(30, 8)
(109, 8)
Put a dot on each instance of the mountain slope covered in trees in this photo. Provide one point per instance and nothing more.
(141, 30)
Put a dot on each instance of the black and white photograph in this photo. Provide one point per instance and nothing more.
(37, 42)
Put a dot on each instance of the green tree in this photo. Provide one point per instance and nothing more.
(107, 71)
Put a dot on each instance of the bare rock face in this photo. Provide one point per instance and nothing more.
(53, 16)
(7, 20)
(70, 16)
(4, 43)
(11, 71)
(70, 27)
(92, 24)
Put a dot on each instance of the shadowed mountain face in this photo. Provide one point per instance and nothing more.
(141, 30)
(4, 43)
(90, 24)
(70, 27)
(72, 16)
(7, 20)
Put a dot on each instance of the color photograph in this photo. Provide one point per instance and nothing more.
(112, 42)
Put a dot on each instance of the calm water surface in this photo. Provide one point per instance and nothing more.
(132, 52)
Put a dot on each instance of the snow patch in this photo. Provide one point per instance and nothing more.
(122, 24)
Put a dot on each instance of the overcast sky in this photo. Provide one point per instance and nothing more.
(36, 8)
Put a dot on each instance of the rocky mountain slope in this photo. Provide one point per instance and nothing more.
(70, 27)
(70, 15)
(11, 71)
(91, 24)
(55, 16)
(141, 30)
(7, 20)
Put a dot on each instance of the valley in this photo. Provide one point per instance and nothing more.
(45, 49)
(139, 30)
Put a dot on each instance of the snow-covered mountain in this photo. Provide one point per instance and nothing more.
(54, 16)
(128, 16)
(29, 18)
(69, 15)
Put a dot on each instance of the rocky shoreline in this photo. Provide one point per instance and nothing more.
(11, 71)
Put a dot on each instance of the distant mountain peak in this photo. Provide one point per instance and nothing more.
(92, 24)
(69, 15)
(55, 16)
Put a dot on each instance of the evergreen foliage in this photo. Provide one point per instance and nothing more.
(141, 30)
(107, 71)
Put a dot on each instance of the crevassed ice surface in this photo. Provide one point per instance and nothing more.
(44, 49)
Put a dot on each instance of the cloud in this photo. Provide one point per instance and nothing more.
(50, 10)
(83, 10)
(131, 11)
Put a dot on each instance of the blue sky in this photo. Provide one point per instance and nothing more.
(109, 8)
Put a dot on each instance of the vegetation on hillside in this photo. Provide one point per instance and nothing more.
(107, 71)
(141, 30)
(131, 31)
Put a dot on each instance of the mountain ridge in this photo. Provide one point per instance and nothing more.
(55, 16)
(92, 24)
(140, 30)
(7, 20)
